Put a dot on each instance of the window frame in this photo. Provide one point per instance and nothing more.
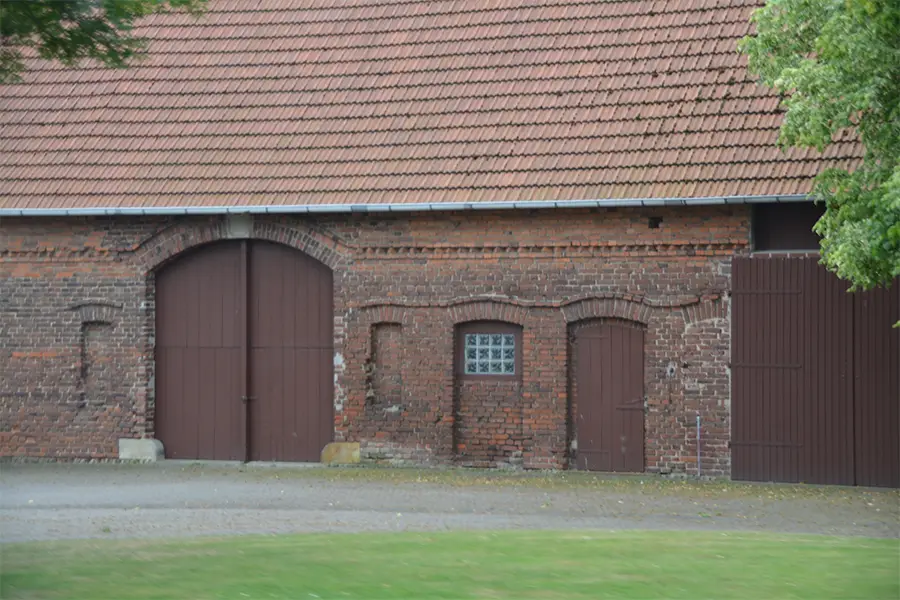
(487, 328)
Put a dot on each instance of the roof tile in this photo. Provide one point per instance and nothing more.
(367, 101)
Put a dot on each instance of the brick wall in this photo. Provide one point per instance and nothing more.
(77, 313)
(488, 423)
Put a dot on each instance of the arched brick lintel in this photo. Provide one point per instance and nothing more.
(461, 312)
(188, 234)
(384, 313)
(705, 310)
(488, 311)
(97, 312)
(599, 308)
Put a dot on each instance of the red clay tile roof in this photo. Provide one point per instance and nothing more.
(292, 102)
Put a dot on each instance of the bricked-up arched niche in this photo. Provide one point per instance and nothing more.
(244, 347)
(606, 395)
(487, 402)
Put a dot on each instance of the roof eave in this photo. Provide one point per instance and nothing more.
(397, 207)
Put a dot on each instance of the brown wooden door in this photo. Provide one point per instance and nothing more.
(244, 354)
(291, 354)
(198, 355)
(609, 397)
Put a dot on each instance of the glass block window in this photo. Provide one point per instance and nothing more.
(490, 354)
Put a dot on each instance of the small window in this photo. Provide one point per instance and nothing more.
(489, 349)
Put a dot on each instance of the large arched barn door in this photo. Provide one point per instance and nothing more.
(608, 404)
(198, 355)
(243, 354)
(291, 354)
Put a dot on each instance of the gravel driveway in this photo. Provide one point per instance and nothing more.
(60, 501)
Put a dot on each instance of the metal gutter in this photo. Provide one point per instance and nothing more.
(398, 208)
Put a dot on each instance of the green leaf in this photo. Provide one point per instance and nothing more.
(70, 31)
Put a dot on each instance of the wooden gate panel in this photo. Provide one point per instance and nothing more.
(764, 367)
(828, 402)
(876, 347)
(609, 413)
(814, 376)
(290, 322)
(789, 422)
(198, 412)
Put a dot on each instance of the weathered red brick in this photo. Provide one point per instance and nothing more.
(77, 314)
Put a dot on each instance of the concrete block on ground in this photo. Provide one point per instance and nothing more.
(341, 453)
(147, 450)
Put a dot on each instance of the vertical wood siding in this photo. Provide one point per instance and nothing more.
(814, 376)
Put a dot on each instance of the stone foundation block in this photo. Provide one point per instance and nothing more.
(341, 453)
(147, 450)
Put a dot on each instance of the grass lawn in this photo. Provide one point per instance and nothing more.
(516, 565)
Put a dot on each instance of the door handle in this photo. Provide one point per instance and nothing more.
(247, 399)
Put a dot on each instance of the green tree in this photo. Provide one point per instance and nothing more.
(836, 66)
(72, 30)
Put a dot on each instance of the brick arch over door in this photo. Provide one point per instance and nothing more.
(607, 308)
(182, 236)
(244, 349)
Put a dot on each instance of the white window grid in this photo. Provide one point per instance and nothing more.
(490, 354)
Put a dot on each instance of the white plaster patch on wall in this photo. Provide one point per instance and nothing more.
(339, 395)
(239, 226)
(726, 298)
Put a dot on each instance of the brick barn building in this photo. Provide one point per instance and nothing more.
(487, 234)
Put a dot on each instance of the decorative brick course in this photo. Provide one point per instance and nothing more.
(77, 317)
